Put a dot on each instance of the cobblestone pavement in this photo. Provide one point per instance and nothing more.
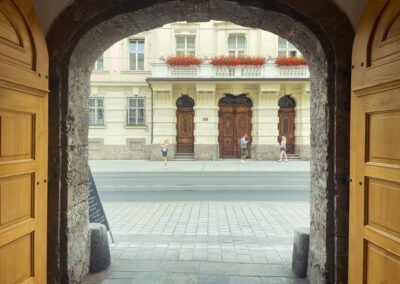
(202, 242)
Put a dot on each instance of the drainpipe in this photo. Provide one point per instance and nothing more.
(152, 111)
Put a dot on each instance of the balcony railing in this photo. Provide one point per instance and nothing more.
(207, 70)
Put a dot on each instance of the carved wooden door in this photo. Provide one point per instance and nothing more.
(226, 131)
(234, 122)
(374, 237)
(185, 130)
(23, 145)
(286, 127)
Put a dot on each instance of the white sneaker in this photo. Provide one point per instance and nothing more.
(242, 161)
(286, 160)
(280, 160)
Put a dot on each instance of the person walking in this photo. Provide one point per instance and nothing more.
(243, 147)
(283, 149)
(164, 151)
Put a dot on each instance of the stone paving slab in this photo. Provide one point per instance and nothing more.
(226, 165)
(202, 242)
(153, 277)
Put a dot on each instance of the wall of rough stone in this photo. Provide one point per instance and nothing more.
(85, 29)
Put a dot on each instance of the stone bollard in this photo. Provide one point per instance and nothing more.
(300, 251)
(100, 258)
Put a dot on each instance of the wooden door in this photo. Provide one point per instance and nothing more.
(234, 122)
(286, 127)
(23, 145)
(374, 241)
(227, 146)
(242, 126)
(185, 130)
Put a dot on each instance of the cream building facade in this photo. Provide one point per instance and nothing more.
(138, 100)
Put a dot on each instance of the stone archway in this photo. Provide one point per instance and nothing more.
(86, 28)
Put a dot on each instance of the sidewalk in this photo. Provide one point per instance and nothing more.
(198, 242)
(228, 165)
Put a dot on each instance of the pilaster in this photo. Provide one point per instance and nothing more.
(206, 123)
(302, 122)
(265, 122)
(164, 115)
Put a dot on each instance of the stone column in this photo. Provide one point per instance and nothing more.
(265, 123)
(164, 120)
(206, 123)
(302, 122)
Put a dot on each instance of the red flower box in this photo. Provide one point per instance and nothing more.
(183, 60)
(290, 61)
(224, 60)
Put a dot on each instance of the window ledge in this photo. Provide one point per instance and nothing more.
(97, 126)
(101, 71)
(135, 72)
(136, 126)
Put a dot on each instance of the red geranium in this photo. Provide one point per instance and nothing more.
(183, 60)
(290, 61)
(224, 60)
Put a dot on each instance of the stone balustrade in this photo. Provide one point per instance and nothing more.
(206, 70)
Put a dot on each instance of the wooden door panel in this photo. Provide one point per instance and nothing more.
(381, 265)
(185, 130)
(23, 145)
(19, 265)
(16, 135)
(384, 219)
(226, 132)
(243, 126)
(286, 127)
(234, 122)
(374, 242)
(16, 199)
(382, 140)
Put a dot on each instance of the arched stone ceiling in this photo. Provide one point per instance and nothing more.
(49, 10)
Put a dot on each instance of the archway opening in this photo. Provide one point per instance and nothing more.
(70, 83)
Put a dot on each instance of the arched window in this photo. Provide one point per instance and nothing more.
(287, 102)
(185, 101)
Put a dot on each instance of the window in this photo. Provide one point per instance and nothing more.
(236, 45)
(136, 54)
(286, 49)
(135, 111)
(96, 111)
(99, 64)
(185, 45)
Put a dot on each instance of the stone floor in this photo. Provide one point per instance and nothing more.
(202, 242)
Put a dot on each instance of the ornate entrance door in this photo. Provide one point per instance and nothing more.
(185, 125)
(374, 237)
(234, 122)
(23, 145)
(286, 121)
(286, 127)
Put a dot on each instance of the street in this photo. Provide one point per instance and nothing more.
(197, 186)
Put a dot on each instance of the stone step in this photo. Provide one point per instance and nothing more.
(184, 154)
(184, 157)
(293, 157)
